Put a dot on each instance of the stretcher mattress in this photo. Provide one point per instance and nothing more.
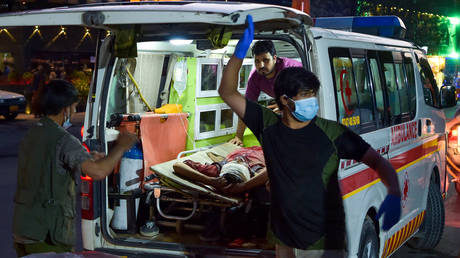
(166, 170)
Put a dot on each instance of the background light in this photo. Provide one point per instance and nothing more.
(454, 20)
(454, 55)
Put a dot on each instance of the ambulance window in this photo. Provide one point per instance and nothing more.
(430, 90)
(346, 95)
(207, 121)
(226, 120)
(245, 71)
(389, 72)
(244, 76)
(365, 100)
(409, 69)
(376, 80)
(402, 88)
(214, 120)
(208, 74)
(208, 77)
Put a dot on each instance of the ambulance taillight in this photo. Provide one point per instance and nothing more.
(87, 208)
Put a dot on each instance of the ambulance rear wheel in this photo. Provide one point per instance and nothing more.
(430, 232)
(369, 242)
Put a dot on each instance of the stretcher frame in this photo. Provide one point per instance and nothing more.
(196, 194)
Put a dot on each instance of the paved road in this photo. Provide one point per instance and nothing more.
(12, 131)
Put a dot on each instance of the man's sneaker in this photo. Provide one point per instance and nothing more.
(149, 229)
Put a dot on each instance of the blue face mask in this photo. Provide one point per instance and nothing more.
(67, 124)
(305, 109)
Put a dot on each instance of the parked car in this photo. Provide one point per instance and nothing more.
(11, 104)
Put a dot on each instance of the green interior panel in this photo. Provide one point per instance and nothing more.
(209, 101)
(250, 139)
(214, 140)
(187, 99)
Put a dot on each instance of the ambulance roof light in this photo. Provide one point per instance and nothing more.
(385, 26)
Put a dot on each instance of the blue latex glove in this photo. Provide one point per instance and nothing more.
(245, 41)
(391, 207)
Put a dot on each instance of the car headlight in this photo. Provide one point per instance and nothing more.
(22, 99)
(2, 100)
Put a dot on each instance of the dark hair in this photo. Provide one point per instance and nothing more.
(262, 47)
(55, 96)
(292, 79)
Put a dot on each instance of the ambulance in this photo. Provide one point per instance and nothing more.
(157, 71)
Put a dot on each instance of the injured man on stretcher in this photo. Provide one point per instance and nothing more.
(238, 172)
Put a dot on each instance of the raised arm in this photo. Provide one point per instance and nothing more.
(228, 87)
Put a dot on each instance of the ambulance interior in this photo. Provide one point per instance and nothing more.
(168, 96)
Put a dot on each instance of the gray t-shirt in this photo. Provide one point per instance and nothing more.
(70, 154)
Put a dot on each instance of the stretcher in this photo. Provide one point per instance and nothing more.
(171, 188)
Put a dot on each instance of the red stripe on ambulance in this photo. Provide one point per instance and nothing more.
(366, 176)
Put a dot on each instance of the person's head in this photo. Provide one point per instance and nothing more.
(294, 83)
(264, 53)
(235, 171)
(57, 97)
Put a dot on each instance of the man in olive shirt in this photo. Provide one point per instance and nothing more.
(50, 163)
(302, 154)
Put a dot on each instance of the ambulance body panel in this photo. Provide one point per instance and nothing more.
(415, 150)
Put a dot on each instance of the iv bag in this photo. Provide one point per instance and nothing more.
(180, 76)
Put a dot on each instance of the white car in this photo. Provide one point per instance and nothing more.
(11, 104)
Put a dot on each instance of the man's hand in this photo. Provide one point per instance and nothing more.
(220, 183)
(245, 41)
(234, 189)
(274, 108)
(237, 141)
(95, 155)
(126, 140)
(391, 210)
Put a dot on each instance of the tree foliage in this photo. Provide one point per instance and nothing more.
(424, 29)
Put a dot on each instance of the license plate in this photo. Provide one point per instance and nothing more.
(14, 108)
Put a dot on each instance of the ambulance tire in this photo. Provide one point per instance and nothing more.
(369, 242)
(430, 232)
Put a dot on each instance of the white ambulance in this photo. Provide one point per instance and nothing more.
(157, 71)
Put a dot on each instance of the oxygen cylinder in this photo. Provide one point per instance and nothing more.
(130, 165)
